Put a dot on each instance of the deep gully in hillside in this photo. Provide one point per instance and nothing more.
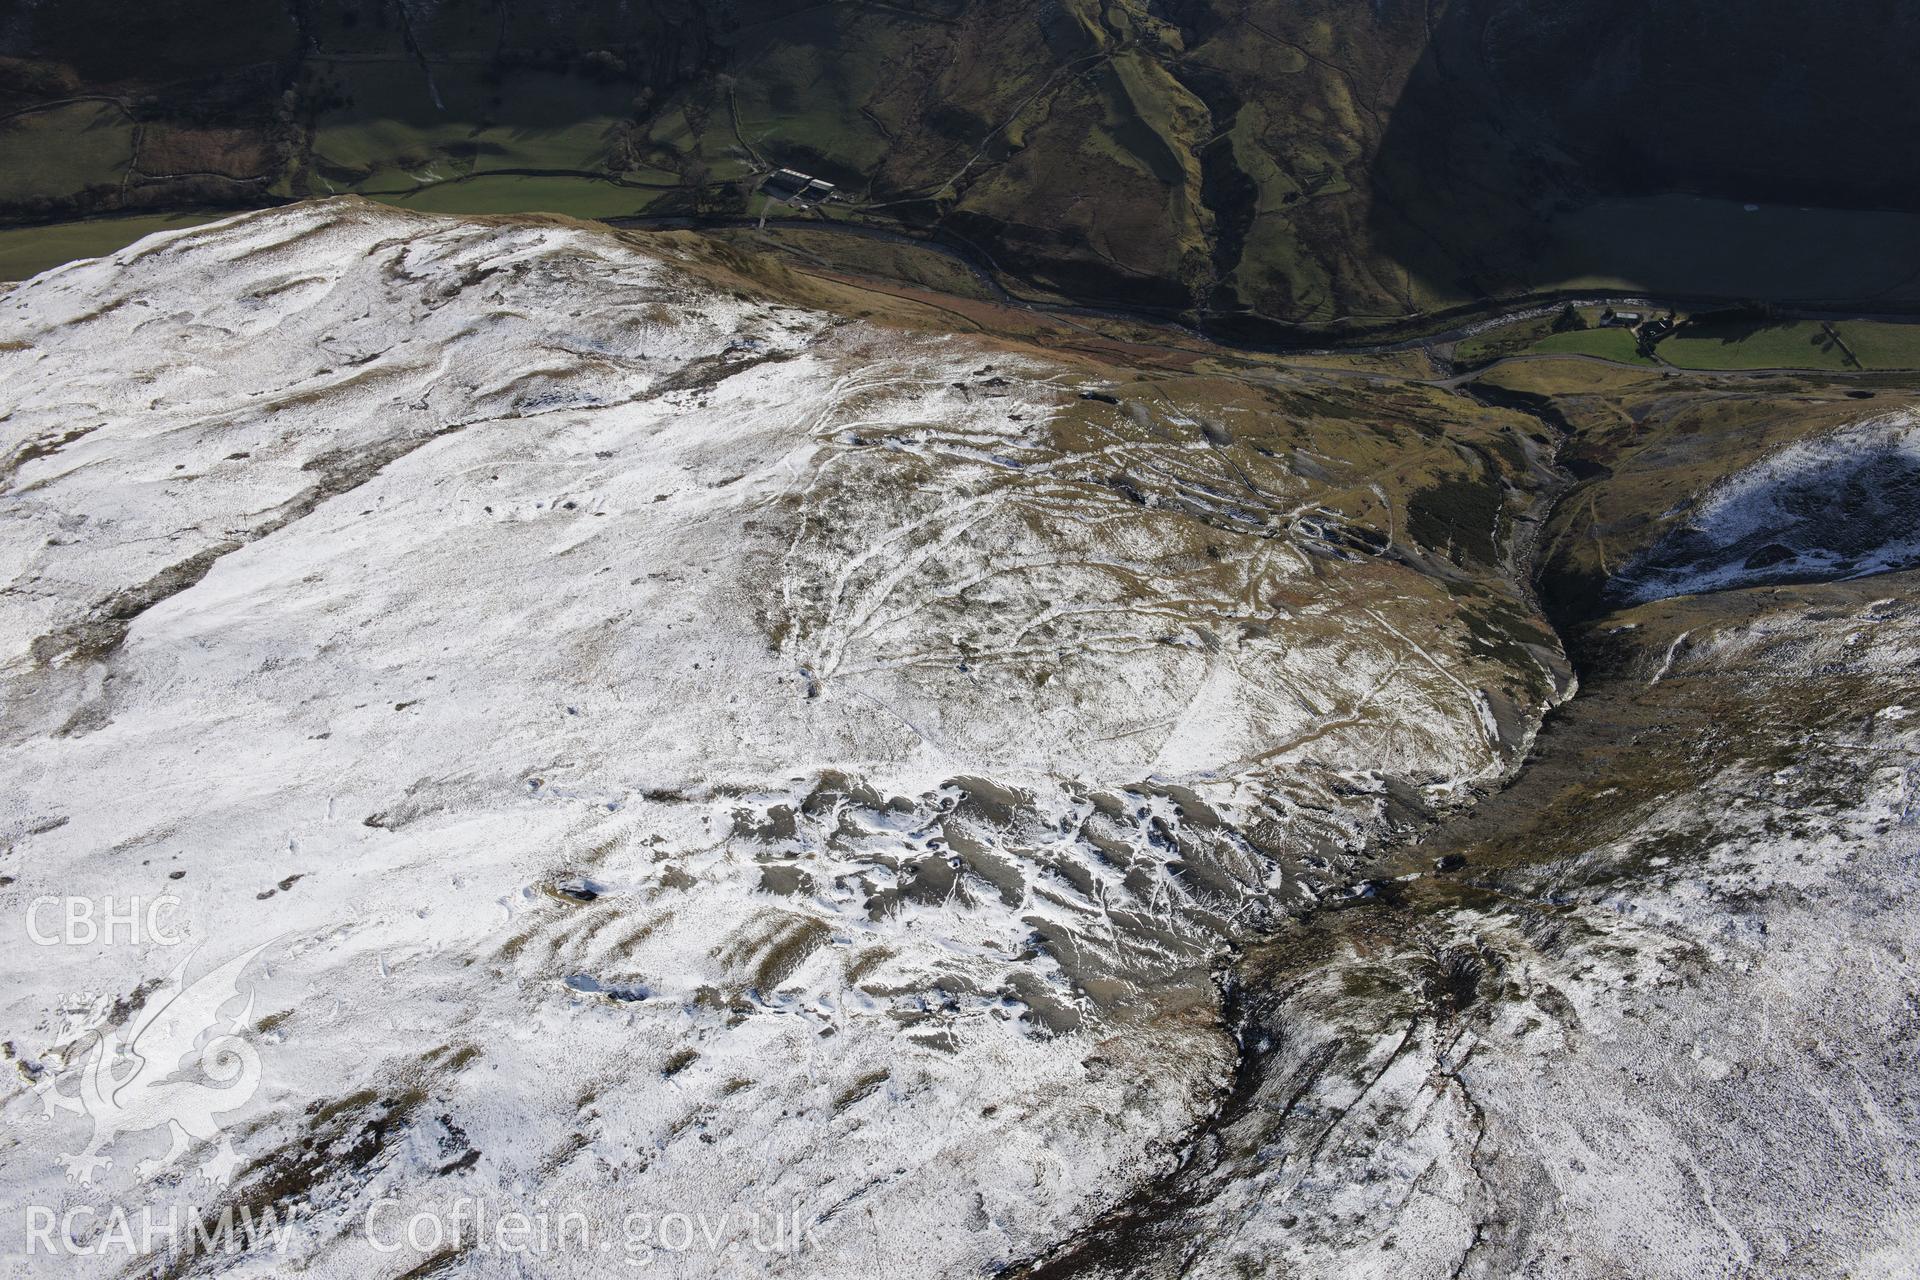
(1126, 1236)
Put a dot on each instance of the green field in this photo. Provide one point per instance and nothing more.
(798, 101)
(575, 197)
(64, 150)
(397, 132)
(1516, 337)
(1709, 343)
(1608, 344)
(1799, 344)
(1794, 345)
(1883, 346)
(27, 251)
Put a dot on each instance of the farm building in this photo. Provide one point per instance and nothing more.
(789, 186)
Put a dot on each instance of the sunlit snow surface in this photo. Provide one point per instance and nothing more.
(681, 752)
(1842, 505)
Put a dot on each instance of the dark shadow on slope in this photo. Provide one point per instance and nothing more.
(1540, 142)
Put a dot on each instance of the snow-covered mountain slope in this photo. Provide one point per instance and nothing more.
(681, 749)
(1657, 1019)
(1842, 504)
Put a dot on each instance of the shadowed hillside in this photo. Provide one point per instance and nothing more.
(1264, 167)
(1654, 145)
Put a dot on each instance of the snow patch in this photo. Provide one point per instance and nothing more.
(1844, 505)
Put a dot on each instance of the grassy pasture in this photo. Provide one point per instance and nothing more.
(399, 131)
(1883, 346)
(27, 251)
(1728, 345)
(64, 150)
(1607, 344)
(512, 193)
(1795, 345)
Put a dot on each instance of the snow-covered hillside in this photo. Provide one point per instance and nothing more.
(681, 750)
(1841, 505)
(1659, 1020)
